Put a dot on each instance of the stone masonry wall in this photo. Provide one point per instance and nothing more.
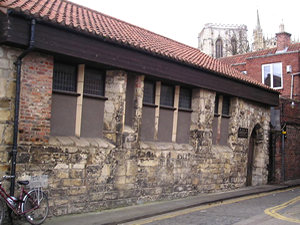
(7, 100)
(87, 174)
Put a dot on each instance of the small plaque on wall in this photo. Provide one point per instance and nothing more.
(243, 133)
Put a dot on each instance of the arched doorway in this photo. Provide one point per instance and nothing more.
(254, 146)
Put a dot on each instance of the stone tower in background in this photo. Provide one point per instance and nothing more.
(259, 41)
(219, 40)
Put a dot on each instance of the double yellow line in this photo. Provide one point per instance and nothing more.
(211, 205)
(274, 211)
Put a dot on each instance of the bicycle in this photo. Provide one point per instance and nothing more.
(33, 204)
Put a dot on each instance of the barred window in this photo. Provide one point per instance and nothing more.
(217, 104)
(185, 97)
(94, 82)
(167, 95)
(149, 92)
(64, 77)
(226, 105)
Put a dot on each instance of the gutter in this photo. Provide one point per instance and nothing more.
(18, 64)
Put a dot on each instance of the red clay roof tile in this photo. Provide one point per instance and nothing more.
(81, 18)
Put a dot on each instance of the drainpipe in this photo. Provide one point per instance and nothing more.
(18, 64)
(283, 133)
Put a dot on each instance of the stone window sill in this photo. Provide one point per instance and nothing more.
(72, 93)
(167, 107)
(185, 110)
(80, 142)
(95, 97)
(150, 105)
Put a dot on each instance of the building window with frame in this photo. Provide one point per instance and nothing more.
(64, 77)
(184, 115)
(77, 101)
(167, 95)
(185, 98)
(64, 99)
(272, 75)
(148, 113)
(92, 112)
(94, 82)
(221, 119)
(226, 106)
(219, 48)
(149, 92)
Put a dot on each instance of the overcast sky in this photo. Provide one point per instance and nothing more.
(182, 20)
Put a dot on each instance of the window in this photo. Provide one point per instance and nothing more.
(221, 122)
(272, 75)
(93, 82)
(77, 101)
(233, 46)
(217, 104)
(225, 106)
(166, 114)
(219, 48)
(149, 92)
(167, 95)
(185, 96)
(64, 77)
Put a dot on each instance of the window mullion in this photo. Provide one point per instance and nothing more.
(80, 85)
(175, 117)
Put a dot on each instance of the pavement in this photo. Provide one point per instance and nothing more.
(127, 214)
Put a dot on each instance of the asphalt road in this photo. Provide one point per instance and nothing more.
(280, 208)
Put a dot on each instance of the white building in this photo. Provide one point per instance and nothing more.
(220, 40)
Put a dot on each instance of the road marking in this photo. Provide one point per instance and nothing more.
(199, 208)
(273, 211)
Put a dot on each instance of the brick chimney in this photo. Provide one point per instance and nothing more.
(283, 38)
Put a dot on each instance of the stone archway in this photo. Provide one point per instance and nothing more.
(254, 169)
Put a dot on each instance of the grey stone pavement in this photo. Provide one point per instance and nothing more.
(132, 213)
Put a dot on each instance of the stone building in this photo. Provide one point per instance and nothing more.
(221, 40)
(116, 115)
(278, 68)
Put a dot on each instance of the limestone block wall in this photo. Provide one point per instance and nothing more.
(7, 97)
(87, 174)
(249, 115)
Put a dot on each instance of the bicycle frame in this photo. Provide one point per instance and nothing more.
(18, 202)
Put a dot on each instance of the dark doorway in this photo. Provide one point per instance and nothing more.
(250, 158)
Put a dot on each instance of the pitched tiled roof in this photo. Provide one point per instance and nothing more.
(237, 59)
(82, 19)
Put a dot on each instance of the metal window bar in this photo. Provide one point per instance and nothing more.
(217, 104)
(149, 92)
(93, 82)
(64, 77)
(185, 98)
(226, 105)
(167, 95)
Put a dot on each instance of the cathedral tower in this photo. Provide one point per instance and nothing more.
(258, 37)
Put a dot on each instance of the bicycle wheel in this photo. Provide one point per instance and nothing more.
(2, 209)
(35, 207)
